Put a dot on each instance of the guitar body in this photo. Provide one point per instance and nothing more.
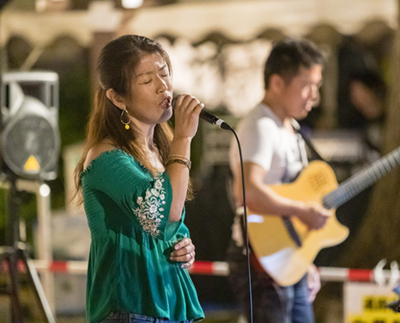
(278, 254)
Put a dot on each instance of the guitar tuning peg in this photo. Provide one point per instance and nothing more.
(379, 276)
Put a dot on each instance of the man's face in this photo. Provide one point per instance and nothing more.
(301, 93)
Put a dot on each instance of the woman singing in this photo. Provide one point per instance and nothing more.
(133, 176)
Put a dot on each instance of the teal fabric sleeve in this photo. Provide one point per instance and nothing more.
(143, 198)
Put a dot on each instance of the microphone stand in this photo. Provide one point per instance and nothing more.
(245, 224)
(208, 117)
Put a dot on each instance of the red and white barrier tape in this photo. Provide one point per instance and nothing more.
(219, 268)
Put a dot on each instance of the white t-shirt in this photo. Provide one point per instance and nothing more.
(265, 141)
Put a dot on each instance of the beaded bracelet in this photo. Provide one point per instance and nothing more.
(179, 156)
(187, 163)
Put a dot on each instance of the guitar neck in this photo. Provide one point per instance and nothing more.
(362, 180)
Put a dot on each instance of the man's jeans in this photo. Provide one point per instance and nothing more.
(271, 303)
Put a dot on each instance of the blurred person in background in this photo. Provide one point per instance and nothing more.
(367, 94)
(361, 92)
(273, 153)
(134, 179)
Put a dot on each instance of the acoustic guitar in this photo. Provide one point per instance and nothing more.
(283, 245)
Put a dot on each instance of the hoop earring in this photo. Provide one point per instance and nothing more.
(123, 122)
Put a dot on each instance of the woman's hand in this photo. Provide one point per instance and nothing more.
(186, 109)
(184, 252)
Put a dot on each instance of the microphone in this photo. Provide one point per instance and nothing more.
(208, 117)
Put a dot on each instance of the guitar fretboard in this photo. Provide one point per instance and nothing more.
(362, 180)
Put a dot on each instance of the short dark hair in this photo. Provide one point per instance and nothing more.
(288, 55)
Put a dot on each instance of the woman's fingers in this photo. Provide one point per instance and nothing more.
(188, 102)
(184, 251)
(187, 110)
(186, 258)
(190, 262)
(183, 247)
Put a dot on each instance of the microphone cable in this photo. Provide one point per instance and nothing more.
(224, 125)
(208, 117)
(246, 231)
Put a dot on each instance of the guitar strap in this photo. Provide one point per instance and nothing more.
(301, 140)
(310, 146)
(315, 156)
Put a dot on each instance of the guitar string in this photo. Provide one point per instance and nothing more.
(357, 183)
(362, 180)
(378, 170)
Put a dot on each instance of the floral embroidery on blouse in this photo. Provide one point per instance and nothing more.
(150, 208)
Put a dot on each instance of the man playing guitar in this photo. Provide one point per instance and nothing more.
(273, 153)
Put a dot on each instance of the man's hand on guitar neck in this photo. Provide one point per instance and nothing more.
(314, 216)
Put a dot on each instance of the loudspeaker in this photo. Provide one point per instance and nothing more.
(29, 119)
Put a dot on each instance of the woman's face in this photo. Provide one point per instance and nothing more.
(151, 91)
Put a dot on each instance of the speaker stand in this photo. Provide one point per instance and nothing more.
(15, 253)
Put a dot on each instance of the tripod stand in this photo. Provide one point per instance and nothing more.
(14, 253)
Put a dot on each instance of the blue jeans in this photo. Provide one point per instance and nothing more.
(122, 317)
(271, 303)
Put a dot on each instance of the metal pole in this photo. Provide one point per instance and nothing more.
(42, 192)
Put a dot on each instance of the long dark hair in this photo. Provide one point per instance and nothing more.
(117, 64)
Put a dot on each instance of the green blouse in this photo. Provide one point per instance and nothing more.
(129, 267)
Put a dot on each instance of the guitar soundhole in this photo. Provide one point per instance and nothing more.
(317, 181)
